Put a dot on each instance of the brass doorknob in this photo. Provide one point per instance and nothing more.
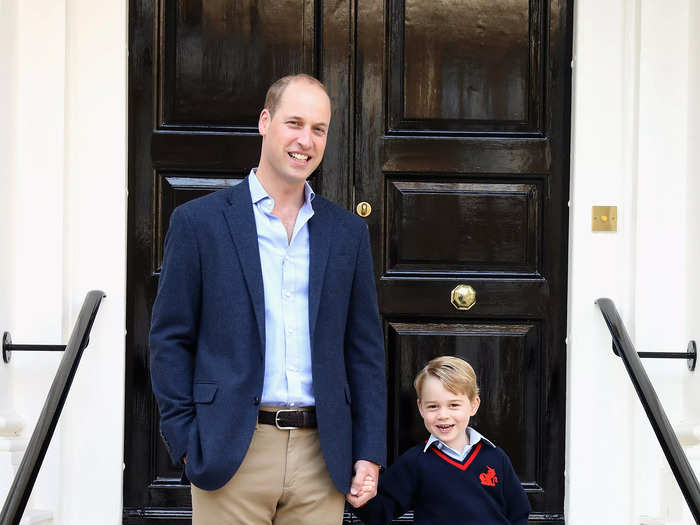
(463, 297)
(364, 209)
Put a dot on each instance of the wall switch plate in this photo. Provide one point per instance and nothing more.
(604, 218)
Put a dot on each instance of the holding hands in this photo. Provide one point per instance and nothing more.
(364, 483)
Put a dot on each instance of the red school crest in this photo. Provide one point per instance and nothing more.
(488, 478)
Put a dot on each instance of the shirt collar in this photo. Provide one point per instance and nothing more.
(474, 438)
(258, 193)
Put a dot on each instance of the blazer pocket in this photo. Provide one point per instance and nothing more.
(204, 392)
(347, 395)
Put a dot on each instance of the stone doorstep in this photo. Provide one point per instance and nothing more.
(37, 517)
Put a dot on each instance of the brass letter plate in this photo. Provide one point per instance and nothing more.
(604, 218)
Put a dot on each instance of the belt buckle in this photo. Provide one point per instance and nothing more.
(277, 421)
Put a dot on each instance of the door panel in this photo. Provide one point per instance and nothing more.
(451, 119)
(465, 66)
(220, 57)
(508, 359)
(461, 151)
(492, 227)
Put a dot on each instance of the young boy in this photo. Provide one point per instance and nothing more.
(458, 477)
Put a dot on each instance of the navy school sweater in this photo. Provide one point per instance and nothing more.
(482, 489)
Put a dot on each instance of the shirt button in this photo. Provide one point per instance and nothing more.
(290, 330)
(287, 294)
(256, 400)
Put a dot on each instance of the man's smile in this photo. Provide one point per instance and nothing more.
(299, 156)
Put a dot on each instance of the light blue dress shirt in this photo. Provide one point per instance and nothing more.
(474, 438)
(285, 270)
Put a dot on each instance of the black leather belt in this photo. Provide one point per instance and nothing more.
(286, 419)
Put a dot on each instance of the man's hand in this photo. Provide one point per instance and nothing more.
(364, 483)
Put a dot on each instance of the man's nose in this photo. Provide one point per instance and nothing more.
(304, 138)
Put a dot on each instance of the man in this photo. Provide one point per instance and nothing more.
(267, 355)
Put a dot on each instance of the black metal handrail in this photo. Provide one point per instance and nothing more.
(43, 431)
(677, 460)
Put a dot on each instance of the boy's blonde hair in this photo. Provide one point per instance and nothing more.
(455, 374)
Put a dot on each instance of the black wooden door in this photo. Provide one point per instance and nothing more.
(462, 151)
(451, 119)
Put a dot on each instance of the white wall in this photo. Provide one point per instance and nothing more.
(693, 193)
(8, 132)
(630, 149)
(662, 287)
(63, 162)
(603, 164)
(38, 217)
(95, 256)
(691, 394)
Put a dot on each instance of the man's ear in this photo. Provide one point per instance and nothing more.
(264, 121)
(475, 405)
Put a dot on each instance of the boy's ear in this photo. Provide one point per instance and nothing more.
(475, 405)
(420, 408)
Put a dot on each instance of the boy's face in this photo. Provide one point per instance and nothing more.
(445, 414)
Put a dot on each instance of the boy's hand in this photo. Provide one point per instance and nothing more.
(364, 483)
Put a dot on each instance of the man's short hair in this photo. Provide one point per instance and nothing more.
(455, 374)
(275, 91)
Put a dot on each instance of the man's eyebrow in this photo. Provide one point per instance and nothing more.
(297, 117)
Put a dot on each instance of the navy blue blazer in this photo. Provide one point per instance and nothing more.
(207, 339)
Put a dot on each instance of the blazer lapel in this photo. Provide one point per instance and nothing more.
(319, 243)
(241, 223)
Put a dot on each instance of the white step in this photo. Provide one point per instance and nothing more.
(37, 517)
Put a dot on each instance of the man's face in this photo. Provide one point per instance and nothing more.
(294, 138)
(446, 414)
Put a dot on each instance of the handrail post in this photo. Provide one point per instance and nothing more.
(8, 347)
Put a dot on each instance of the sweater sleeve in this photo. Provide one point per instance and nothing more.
(396, 492)
(517, 506)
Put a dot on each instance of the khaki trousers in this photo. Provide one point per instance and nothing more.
(283, 480)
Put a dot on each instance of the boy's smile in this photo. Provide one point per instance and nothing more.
(446, 414)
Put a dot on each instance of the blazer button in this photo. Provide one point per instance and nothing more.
(256, 400)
